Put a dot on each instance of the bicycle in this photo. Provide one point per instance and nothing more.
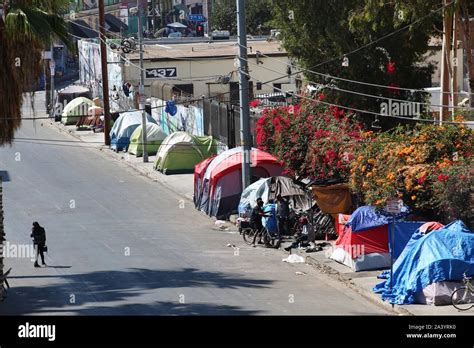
(463, 298)
(270, 240)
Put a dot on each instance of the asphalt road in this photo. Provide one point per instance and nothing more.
(121, 244)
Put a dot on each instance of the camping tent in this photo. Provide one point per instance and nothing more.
(69, 93)
(222, 184)
(180, 152)
(75, 109)
(364, 243)
(124, 127)
(199, 171)
(154, 138)
(439, 256)
(270, 188)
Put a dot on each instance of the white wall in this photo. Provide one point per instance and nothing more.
(193, 71)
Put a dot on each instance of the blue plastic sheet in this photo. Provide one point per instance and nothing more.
(441, 255)
(365, 218)
(402, 233)
(270, 223)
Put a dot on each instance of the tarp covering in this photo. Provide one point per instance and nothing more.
(270, 223)
(334, 199)
(154, 138)
(75, 109)
(366, 217)
(353, 249)
(441, 255)
(402, 233)
(124, 127)
(270, 188)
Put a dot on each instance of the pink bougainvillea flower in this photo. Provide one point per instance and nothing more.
(391, 67)
(442, 177)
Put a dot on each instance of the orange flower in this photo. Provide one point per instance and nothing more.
(371, 161)
(413, 197)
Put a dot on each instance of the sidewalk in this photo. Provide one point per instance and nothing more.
(182, 185)
(363, 283)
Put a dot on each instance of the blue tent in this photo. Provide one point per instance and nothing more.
(441, 255)
(124, 127)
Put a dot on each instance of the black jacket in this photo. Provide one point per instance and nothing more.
(39, 235)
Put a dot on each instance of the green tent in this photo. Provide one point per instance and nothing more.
(74, 109)
(180, 152)
(154, 137)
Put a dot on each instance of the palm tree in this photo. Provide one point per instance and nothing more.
(26, 29)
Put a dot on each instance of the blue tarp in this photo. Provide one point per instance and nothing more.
(441, 255)
(402, 233)
(270, 223)
(365, 218)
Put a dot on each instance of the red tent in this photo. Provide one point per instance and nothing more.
(363, 250)
(370, 248)
(221, 185)
(199, 171)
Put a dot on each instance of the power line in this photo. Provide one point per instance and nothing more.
(355, 109)
(380, 38)
(354, 81)
(370, 95)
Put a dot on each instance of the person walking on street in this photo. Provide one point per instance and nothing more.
(283, 215)
(39, 240)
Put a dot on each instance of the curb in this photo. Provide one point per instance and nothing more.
(334, 274)
(117, 156)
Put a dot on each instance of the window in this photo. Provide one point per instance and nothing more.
(259, 86)
(277, 87)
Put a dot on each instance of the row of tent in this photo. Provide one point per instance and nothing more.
(176, 153)
(429, 258)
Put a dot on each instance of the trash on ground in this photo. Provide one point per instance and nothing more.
(293, 258)
(230, 245)
(219, 223)
(300, 273)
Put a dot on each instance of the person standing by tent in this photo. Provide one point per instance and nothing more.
(283, 214)
(256, 216)
(39, 240)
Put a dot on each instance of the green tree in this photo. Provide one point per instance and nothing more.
(319, 32)
(258, 12)
(25, 31)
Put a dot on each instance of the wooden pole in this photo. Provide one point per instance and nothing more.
(455, 62)
(105, 75)
(445, 55)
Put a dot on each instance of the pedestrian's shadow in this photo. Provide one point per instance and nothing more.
(49, 266)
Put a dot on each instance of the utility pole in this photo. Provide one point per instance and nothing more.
(52, 68)
(105, 74)
(445, 64)
(142, 82)
(455, 62)
(245, 138)
(209, 17)
(153, 5)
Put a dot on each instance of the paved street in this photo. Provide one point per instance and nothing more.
(122, 244)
